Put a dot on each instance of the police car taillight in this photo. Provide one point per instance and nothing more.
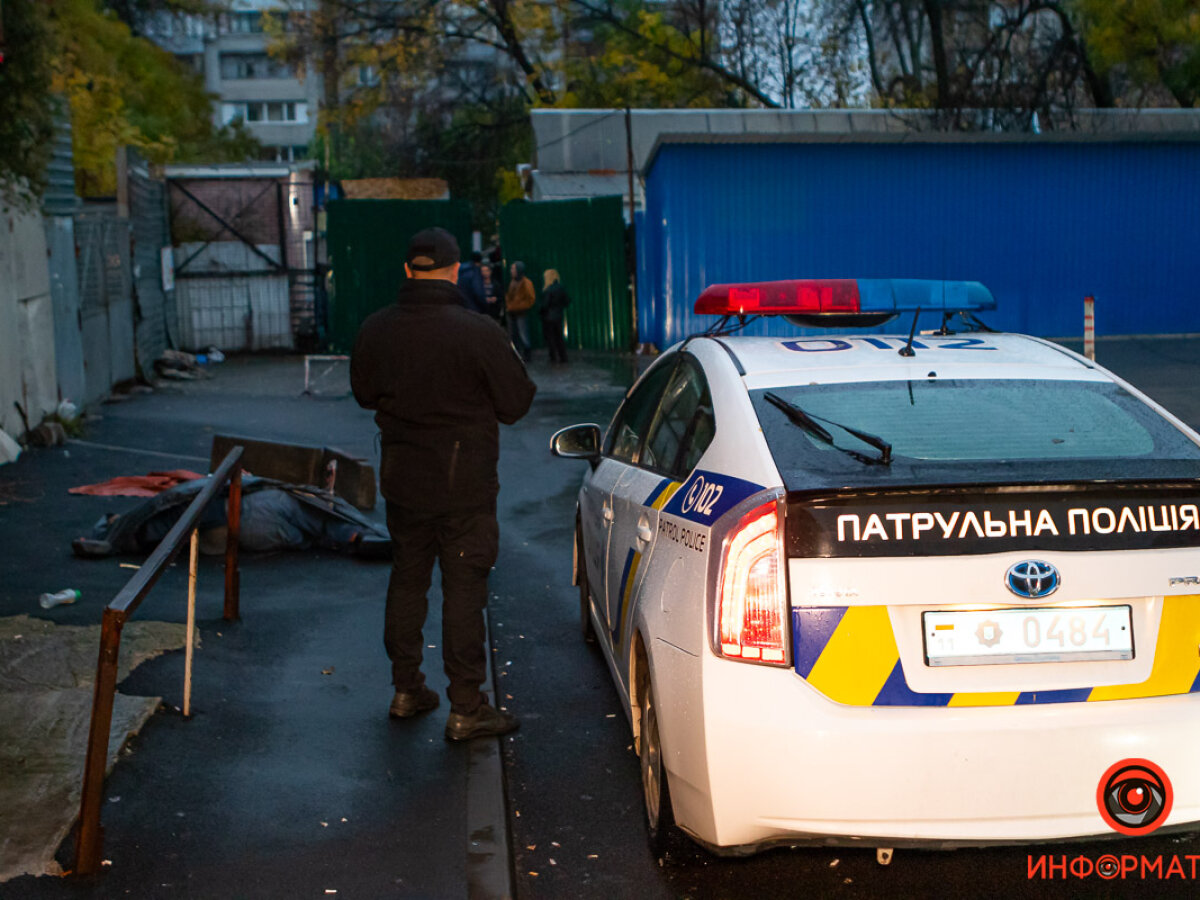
(752, 594)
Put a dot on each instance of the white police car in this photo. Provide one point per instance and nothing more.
(932, 591)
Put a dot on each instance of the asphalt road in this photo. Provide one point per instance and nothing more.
(573, 779)
(290, 780)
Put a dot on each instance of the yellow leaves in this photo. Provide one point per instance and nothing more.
(122, 91)
(508, 186)
(1151, 42)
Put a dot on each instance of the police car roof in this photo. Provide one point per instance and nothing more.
(778, 361)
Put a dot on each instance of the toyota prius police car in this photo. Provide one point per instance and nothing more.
(928, 591)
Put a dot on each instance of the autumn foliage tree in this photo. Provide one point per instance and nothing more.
(1149, 50)
(26, 105)
(124, 90)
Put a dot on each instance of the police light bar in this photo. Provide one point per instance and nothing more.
(876, 298)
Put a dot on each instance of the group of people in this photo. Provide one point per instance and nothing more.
(479, 280)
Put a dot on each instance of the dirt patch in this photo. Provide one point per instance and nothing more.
(46, 676)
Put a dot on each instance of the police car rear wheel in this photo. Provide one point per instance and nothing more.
(660, 818)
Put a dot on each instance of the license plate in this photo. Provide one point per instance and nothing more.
(989, 637)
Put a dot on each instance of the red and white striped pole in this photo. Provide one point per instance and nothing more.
(1089, 328)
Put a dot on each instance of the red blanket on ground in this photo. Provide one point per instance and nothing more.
(137, 485)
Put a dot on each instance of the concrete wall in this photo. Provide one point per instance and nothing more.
(27, 369)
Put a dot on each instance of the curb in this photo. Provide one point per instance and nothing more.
(489, 860)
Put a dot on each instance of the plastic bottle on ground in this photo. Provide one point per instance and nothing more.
(70, 595)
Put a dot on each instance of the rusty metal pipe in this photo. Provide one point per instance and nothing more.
(233, 579)
(90, 844)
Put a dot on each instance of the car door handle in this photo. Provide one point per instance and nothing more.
(608, 514)
(643, 531)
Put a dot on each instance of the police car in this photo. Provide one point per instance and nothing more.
(936, 589)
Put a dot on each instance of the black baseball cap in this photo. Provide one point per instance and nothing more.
(432, 248)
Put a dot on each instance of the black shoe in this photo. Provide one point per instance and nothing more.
(487, 721)
(408, 703)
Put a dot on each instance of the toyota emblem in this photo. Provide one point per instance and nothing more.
(1032, 579)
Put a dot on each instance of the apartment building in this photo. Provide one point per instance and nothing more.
(277, 102)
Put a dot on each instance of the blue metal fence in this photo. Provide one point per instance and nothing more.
(1041, 224)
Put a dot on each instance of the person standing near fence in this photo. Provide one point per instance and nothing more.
(470, 282)
(553, 310)
(440, 379)
(518, 301)
(491, 292)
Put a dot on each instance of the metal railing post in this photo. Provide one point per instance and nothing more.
(232, 574)
(190, 646)
(90, 844)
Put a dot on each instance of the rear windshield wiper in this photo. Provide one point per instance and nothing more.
(810, 423)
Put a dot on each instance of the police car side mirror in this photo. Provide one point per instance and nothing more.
(577, 442)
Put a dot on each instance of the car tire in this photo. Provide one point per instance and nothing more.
(586, 629)
(660, 817)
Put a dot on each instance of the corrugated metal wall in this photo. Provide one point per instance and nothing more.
(59, 204)
(105, 299)
(233, 298)
(585, 241)
(59, 198)
(153, 314)
(367, 241)
(1041, 224)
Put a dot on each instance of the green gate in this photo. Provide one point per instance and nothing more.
(367, 244)
(585, 241)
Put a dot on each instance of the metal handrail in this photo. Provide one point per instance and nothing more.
(89, 845)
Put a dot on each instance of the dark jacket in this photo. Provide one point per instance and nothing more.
(493, 296)
(470, 282)
(439, 378)
(554, 301)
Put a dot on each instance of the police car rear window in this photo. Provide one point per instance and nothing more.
(976, 430)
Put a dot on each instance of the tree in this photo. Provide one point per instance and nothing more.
(123, 90)
(26, 107)
(641, 60)
(401, 97)
(1151, 48)
(978, 64)
(141, 15)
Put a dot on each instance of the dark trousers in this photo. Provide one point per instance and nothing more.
(465, 546)
(552, 330)
(518, 330)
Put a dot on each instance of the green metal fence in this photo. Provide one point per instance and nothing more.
(367, 244)
(585, 241)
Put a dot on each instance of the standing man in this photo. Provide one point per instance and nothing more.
(470, 282)
(439, 378)
(519, 301)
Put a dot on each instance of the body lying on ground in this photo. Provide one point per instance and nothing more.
(275, 516)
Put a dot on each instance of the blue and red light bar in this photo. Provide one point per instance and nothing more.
(843, 297)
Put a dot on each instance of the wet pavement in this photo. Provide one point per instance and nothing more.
(289, 780)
